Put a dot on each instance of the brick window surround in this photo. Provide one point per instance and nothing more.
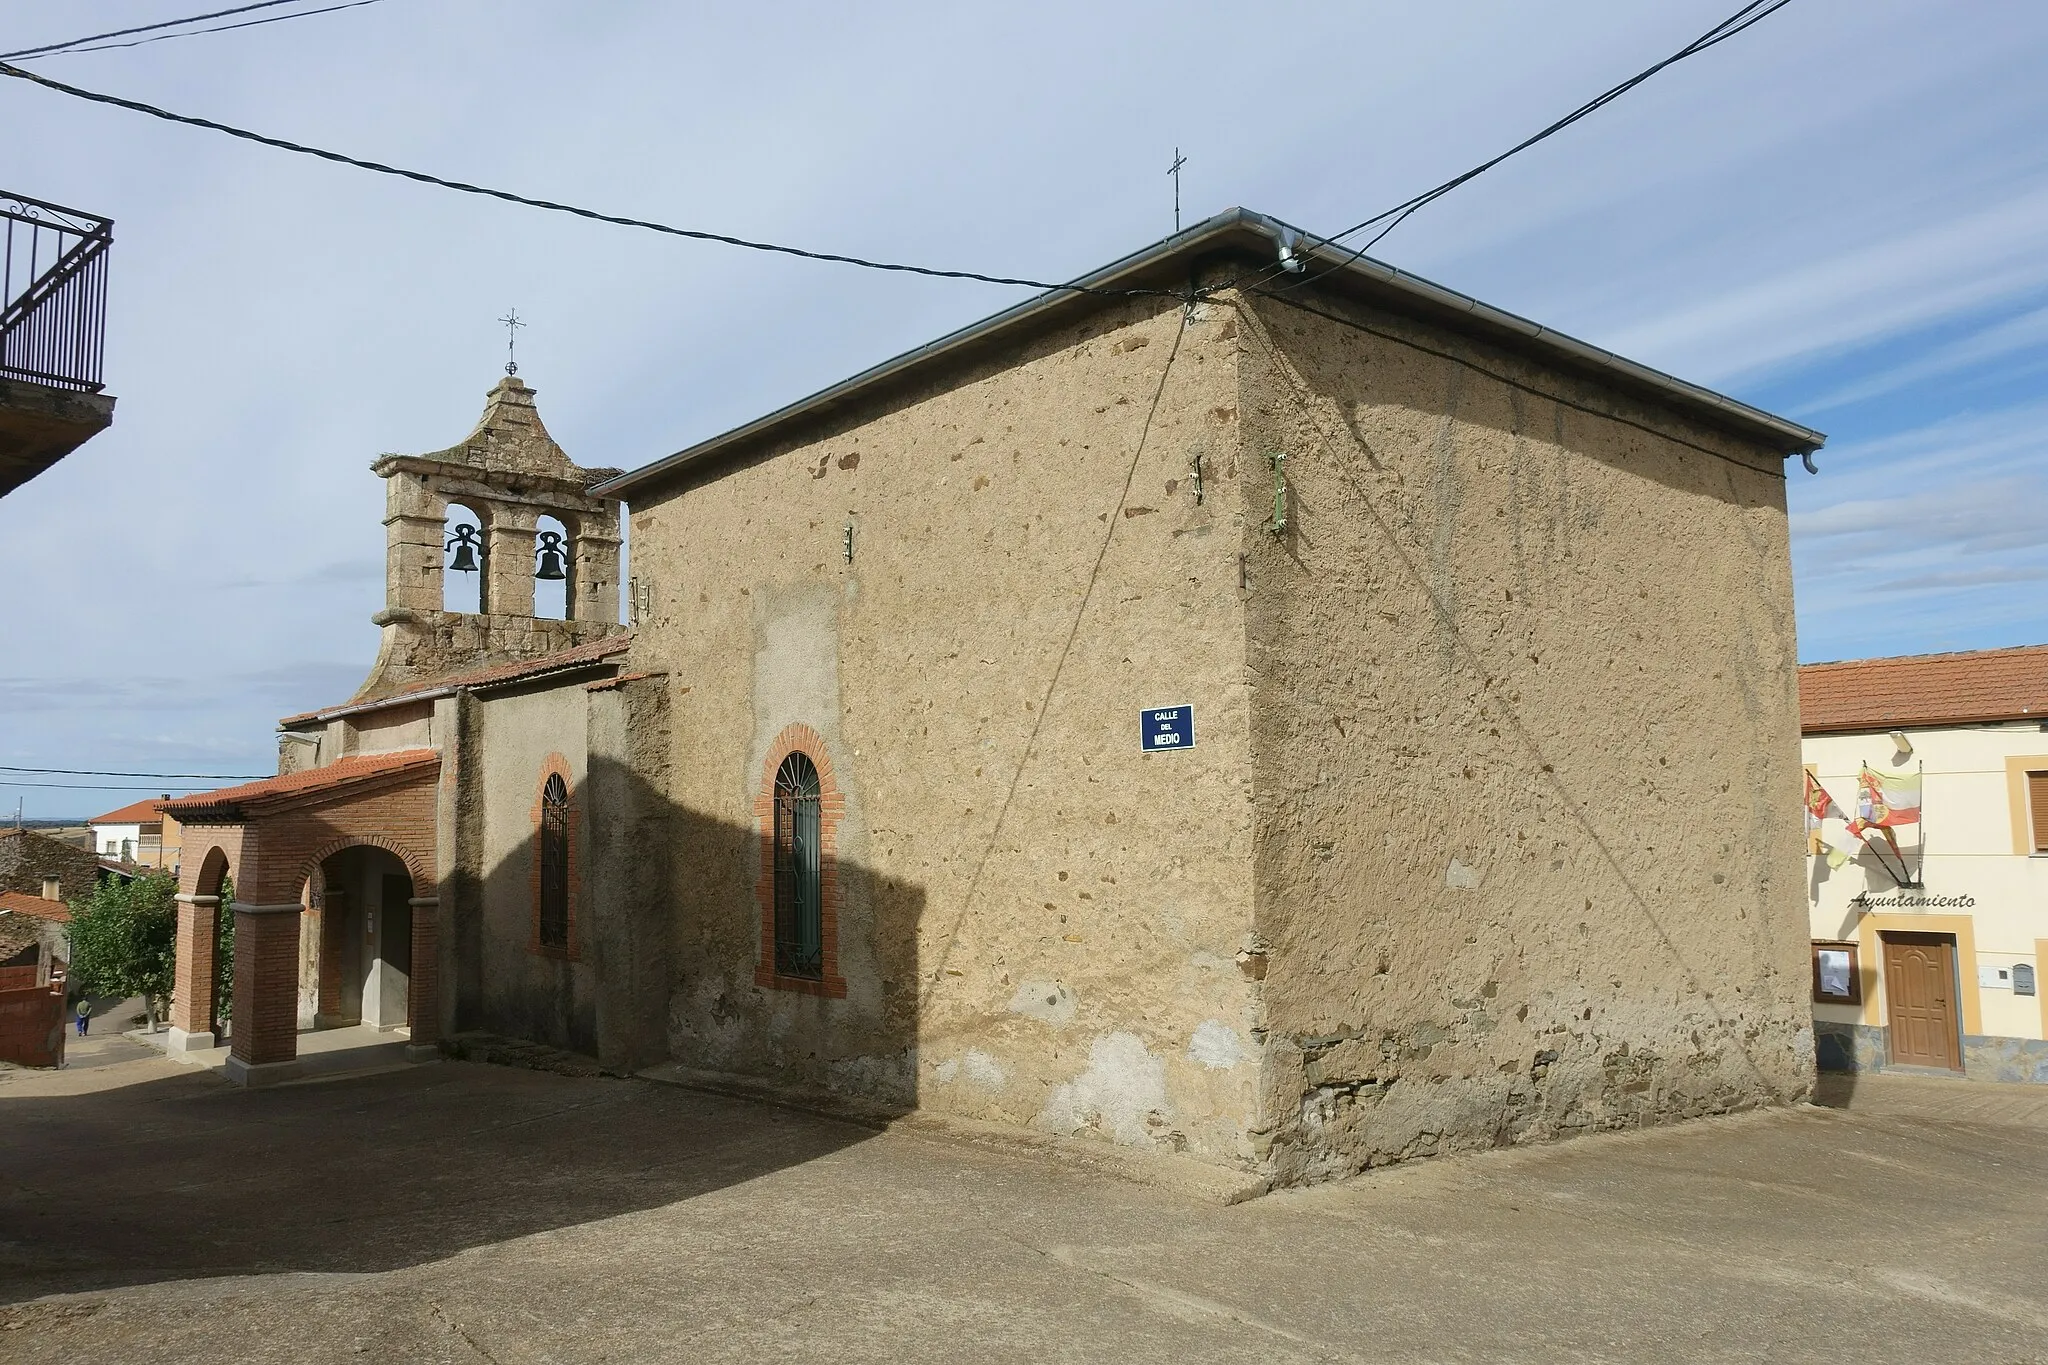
(800, 738)
(555, 765)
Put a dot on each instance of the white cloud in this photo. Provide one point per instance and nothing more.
(276, 323)
(1854, 298)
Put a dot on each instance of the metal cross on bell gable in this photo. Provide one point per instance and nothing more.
(551, 557)
(465, 542)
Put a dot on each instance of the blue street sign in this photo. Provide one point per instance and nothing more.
(1167, 727)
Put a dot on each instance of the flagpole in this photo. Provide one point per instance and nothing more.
(1920, 882)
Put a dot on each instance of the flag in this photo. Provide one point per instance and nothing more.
(1886, 800)
(1838, 858)
(1818, 804)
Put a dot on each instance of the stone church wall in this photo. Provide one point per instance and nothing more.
(1036, 922)
(1525, 753)
(525, 990)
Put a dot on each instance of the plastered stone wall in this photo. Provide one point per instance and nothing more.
(1524, 753)
(1041, 923)
(525, 992)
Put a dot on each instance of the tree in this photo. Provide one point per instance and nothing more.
(124, 939)
(224, 952)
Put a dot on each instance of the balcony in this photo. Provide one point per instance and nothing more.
(53, 321)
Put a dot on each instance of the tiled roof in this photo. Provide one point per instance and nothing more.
(140, 813)
(1925, 689)
(35, 906)
(592, 652)
(312, 780)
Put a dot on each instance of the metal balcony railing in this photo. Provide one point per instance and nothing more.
(53, 293)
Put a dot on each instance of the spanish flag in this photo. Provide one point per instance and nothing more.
(1887, 800)
(1818, 804)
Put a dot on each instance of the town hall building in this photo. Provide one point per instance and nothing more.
(1257, 705)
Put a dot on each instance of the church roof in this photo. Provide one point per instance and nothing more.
(1246, 235)
(563, 660)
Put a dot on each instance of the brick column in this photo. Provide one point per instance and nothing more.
(193, 981)
(423, 987)
(265, 1037)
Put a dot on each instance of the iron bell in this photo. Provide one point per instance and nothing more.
(551, 557)
(464, 542)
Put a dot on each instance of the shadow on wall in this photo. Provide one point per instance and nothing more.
(412, 1166)
(664, 960)
(367, 1174)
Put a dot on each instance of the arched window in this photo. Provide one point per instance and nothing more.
(554, 596)
(799, 871)
(465, 562)
(554, 864)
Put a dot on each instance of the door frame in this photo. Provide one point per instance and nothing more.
(1876, 1005)
(1901, 938)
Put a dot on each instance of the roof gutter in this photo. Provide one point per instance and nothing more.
(1791, 437)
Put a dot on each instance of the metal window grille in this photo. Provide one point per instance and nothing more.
(554, 864)
(53, 293)
(799, 872)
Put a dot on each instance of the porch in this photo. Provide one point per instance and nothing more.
(328, 878)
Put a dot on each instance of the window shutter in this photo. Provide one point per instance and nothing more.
(2037, 808)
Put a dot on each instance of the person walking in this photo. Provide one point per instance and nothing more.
(84, 1015)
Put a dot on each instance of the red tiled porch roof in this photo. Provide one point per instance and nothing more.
(1925, 689)
(312, 783)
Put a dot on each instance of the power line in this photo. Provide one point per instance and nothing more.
(144, 28)
(554, 207)
(67, 50)
(90, 787)
(1746, 17)
(109, 772)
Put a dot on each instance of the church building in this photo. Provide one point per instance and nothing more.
(1254, 704)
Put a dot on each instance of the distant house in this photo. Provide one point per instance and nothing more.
(139, 833)
(1928, 931)
(33, 939)
(30, 862)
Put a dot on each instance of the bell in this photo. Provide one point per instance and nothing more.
(550, 557)
(464, 541)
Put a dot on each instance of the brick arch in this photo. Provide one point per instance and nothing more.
(800, 738)
(213, 866)
(557, 765)
(422, 879)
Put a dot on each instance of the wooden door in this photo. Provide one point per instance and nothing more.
(1919, 993)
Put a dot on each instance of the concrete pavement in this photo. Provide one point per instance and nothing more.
(455, 1212)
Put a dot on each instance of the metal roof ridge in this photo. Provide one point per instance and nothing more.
(1796, 438)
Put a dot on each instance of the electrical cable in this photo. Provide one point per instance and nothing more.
(90, 787)
(218, 28)
(144, 28)
(1746, 17)
(109, 772)
(552, 206)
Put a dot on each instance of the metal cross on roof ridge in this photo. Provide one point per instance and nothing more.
(512, 326)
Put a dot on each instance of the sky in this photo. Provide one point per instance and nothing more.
(1838, 216)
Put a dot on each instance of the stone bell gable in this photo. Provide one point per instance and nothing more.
(509, 472)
